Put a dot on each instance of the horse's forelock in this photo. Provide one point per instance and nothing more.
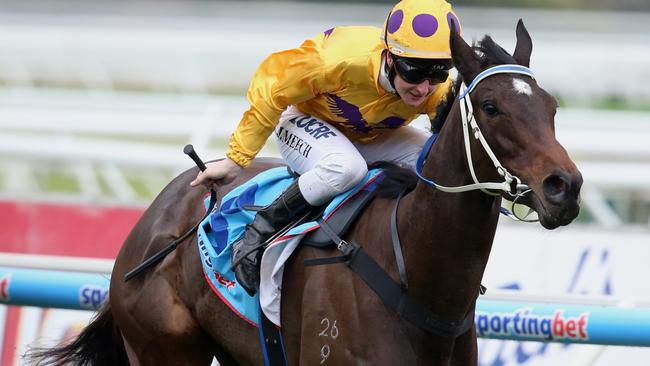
(492, 54)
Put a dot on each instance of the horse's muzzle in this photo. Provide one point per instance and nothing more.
(561, 199)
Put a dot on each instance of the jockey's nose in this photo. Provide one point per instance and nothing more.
(423, 87)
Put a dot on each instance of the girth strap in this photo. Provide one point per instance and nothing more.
(389, 292)
(273, 349)
(397, 245)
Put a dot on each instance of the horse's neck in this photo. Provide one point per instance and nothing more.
(447, 237)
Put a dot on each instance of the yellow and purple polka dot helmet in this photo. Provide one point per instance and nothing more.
(420, 29)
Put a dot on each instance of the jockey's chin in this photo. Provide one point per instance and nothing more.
(414, 94)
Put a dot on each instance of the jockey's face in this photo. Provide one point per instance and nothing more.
(413, 93)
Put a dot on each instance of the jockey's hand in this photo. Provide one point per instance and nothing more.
(221, 172)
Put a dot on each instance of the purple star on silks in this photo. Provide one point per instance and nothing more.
(353, 117)
(328, 32)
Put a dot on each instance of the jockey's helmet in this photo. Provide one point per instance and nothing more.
(416, 34)
(420, 29)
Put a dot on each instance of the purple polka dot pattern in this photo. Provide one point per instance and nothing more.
(395, 21)
(425, 25)
(452, 20)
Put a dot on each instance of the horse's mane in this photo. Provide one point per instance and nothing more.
(489, 54)
(443, 108)
(397, 179)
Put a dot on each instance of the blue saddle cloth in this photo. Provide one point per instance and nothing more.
(226, 224)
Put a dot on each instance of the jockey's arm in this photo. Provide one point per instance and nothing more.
(283, 79)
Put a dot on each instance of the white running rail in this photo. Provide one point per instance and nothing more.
(57, 263)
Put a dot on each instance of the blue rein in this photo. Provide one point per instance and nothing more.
(423, 156)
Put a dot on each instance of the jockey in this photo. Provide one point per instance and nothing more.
(338, 102)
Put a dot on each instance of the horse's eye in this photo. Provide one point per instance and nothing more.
(490, 108)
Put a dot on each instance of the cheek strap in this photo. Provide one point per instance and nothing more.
(391, 77)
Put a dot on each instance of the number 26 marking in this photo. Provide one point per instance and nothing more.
(333, 330)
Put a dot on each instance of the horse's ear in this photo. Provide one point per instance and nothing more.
(465, 59)
(524, 45)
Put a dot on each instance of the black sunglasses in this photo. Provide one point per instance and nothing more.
(415, 74)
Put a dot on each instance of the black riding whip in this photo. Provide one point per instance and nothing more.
(189, 150)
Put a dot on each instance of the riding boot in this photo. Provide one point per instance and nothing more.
(247, 251)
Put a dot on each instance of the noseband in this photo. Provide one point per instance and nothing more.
(511, 184)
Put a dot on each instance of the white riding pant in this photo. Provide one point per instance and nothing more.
(329, 163)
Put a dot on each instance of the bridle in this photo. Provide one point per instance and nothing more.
(511, 184)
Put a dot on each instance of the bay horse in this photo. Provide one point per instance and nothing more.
(168, 315)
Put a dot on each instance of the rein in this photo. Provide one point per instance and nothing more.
(511, 184)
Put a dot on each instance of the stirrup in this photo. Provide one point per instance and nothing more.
(268, 241)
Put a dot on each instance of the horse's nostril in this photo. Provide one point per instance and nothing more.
(556, 188)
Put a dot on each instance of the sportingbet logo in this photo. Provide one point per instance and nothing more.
(523, 323)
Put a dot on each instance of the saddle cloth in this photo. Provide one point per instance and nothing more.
(227, 223)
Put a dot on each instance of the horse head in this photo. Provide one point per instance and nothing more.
(515, 118)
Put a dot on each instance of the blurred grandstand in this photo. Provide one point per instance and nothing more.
(98, 98)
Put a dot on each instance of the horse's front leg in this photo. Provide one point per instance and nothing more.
(466, 349)
(331, 317)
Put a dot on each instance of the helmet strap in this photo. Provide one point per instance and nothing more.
(387, 75)
(387, 72)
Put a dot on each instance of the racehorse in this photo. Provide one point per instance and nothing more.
(169, 315)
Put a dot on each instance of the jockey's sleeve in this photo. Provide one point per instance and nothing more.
(283, 79)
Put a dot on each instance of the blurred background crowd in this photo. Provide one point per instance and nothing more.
(97, 96)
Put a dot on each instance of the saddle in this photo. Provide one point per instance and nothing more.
(340, 220)
(228, 222)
